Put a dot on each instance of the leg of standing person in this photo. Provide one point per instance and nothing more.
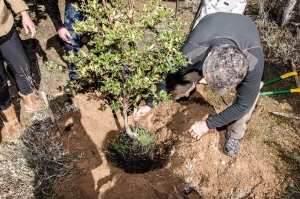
(71, 15)
(18, 63)
(7, 111)
(17, 60)
(4, 92)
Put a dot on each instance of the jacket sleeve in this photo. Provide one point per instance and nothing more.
(17, 5)
(53, 11)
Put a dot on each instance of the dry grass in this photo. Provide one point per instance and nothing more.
(29, 166)
(279, 136)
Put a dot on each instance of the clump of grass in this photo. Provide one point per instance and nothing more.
(139, 151)
(124, 143)
(49, 161)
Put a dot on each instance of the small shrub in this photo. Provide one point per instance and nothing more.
(130, 51)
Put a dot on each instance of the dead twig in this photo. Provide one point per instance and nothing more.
(285, 11)
(58, 134)
(107, 14)
(295, 70)
(293, 116)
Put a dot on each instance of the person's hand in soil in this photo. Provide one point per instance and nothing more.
(198, 129)
(141, 111)
(27, 23)
(65, 35)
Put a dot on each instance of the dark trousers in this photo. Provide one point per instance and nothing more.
(13, 53)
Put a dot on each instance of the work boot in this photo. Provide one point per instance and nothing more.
(231, 146)
(11, 123)
(31, 102)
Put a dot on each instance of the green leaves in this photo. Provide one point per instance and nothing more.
(149, 48)
(115, 105)
(52, 66)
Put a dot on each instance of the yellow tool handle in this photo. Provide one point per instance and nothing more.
(295, 90)
(288, 74)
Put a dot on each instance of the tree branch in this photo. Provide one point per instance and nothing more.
(132, 135)
(107, 14)
(51, 115)
(294, 116)
(130, 12)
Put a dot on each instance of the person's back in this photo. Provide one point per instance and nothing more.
(239, 28)
(219, 28)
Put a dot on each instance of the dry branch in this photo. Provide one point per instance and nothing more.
(293, 116)
(107, 14)
(295, 70)
(285, 11)
(51, 115)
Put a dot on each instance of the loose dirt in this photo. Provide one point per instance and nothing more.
(97, 172)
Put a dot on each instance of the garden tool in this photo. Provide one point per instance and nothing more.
(197, 14)
(286, 75)
(176, 9)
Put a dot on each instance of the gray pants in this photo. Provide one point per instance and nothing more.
(237, 128)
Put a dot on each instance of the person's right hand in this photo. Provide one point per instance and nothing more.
(27, 23)
(138, 113)
(65, 35)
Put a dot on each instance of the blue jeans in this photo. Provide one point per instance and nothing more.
(71, 15)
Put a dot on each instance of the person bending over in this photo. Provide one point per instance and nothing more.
(225, 49)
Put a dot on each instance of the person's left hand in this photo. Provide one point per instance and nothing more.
(198, 129)
(27, 23)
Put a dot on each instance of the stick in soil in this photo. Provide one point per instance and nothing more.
(293, 116)
(58, 134)
(295, 70)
